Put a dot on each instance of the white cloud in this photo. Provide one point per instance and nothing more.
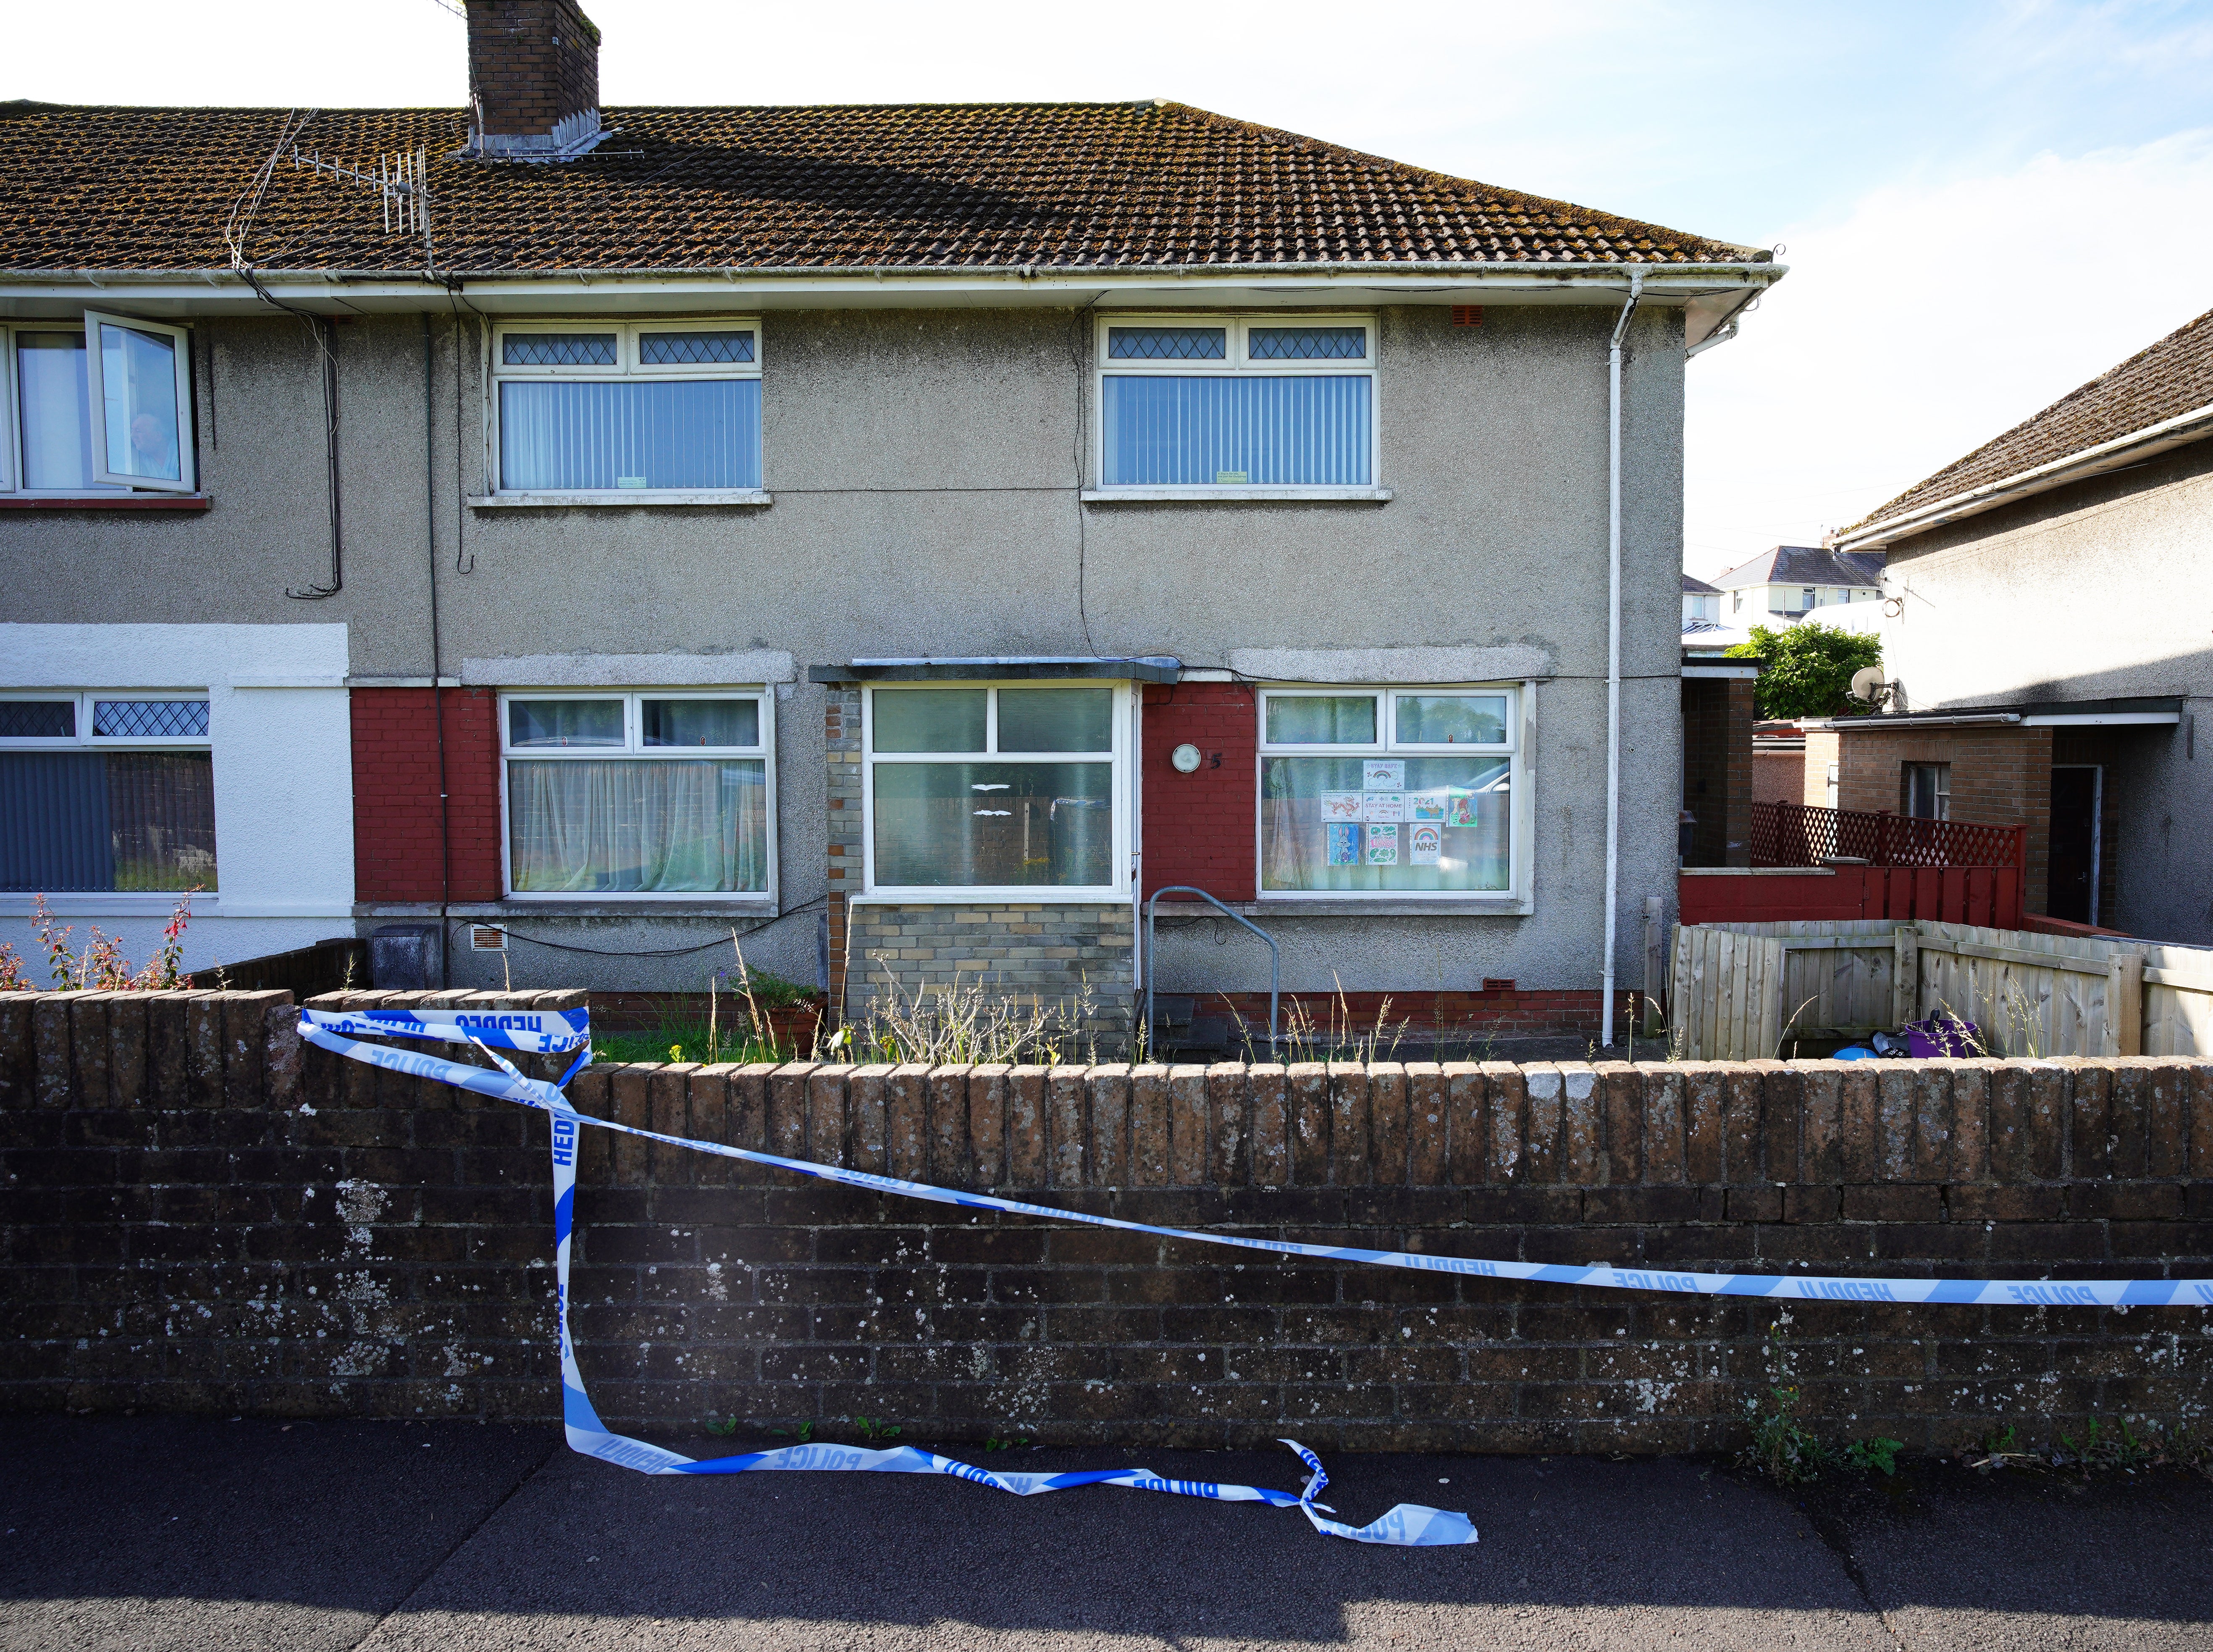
(1929, 320)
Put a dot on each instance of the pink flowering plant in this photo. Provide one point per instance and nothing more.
(102, 966)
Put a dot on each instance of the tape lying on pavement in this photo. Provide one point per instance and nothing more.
(1409, 1524)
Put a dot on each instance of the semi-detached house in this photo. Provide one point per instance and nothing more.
(903, 535)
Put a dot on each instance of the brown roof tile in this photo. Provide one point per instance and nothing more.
(1055, 185)
(2172, 377)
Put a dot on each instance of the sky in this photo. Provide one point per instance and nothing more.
(1983, 203)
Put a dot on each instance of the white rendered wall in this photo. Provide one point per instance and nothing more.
(283, 759)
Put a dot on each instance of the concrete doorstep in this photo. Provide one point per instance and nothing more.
(164, 1533)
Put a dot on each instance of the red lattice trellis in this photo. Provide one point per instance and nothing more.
(1798, 834)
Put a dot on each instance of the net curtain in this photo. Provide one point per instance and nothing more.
(639, 827)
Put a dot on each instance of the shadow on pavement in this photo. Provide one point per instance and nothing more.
(155, 1532)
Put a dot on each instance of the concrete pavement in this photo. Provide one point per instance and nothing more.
(149, 1533)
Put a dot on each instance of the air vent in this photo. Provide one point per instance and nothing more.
(1468, 315)
(484, 938)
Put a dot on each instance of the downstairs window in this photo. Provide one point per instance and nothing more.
(1388, 791)
(638, 796)
(106, 792)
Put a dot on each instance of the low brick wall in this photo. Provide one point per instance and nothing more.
(200, 1215)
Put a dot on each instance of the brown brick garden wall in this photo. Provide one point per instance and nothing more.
(200, 1215)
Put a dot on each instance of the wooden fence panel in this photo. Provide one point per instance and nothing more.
(1738, 988)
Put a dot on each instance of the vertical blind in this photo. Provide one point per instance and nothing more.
(570, 436)
(106, 820)
(1278, 431)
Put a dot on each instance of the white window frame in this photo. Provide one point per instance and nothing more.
(1237, 363)
(1118, 755)
(626, 366)
(96, 406)
(108, 485)
(1521, 817)
(85, 740)
(122, 901)
(633, 748)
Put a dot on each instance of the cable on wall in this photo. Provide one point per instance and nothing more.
(665, 952)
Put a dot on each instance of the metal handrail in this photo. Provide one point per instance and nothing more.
(1275, 957)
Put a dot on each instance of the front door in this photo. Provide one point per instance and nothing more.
(2077, 792)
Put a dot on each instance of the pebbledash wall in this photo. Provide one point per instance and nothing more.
(202, 1216)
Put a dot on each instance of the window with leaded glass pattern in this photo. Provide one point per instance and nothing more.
(615, 408)
(106, 792)
(1207, 404)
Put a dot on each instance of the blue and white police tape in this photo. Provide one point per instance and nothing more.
(1407, 1525)
(532, 1032)
(588, 1434)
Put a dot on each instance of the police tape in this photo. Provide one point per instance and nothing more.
(588, 1434)
(1406, 1525)
(532, 1032)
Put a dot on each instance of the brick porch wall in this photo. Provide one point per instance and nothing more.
(2000, 776)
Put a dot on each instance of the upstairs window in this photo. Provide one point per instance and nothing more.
(638, 795)
(1388, 791)
(101, 407)
(657, 407)
(106, 792)
(1216, 403)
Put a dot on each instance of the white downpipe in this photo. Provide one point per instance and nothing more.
(1614, 654)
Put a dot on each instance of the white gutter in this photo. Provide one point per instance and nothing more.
(552, 291)
(2075, 467)
(1613, 652)
(1906, 723)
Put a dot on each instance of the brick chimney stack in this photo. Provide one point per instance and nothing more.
(534, 79)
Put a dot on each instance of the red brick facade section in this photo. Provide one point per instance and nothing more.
(1717, 717)
(395, 793)
(2000, 776)
(531, 64)
(1199, 828)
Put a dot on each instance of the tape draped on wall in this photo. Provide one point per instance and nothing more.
(1408, 1524)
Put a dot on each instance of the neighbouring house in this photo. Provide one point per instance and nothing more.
(1790, 582)
(900, 537)
(1702, 603)
(2015, 701)
(1778, 764)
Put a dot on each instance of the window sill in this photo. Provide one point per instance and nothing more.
(106, 502)
(1234, 495)
(94, 903)
(623, 499)
(1031, 897)
(1479, 906)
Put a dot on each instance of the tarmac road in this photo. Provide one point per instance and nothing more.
(150, 1533)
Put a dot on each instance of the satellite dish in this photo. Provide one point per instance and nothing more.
(1867, 684)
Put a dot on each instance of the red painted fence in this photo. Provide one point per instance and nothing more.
(1988, 895)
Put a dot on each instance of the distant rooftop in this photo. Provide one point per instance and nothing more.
(1806, 565)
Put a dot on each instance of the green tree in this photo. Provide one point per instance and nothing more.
(1806, 670)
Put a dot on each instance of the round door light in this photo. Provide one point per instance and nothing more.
(1185, 758)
